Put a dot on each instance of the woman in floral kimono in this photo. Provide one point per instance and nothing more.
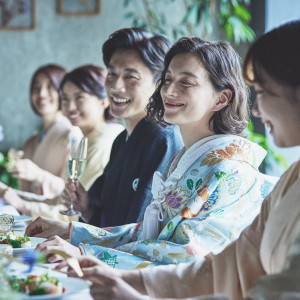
(270, 247)
(210, 191)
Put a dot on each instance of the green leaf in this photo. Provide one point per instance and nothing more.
(221, 175)
(1, 157)
(170, 226)
(229, 31)
(242, 13)
(198, 183)
(190, 184)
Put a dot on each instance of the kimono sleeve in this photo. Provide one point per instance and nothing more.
(85, 234)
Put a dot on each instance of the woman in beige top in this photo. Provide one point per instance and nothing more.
(85, 104)
(268, 245)
(41, 168)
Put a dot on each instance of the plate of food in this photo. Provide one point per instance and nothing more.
(45, 287)
(21, 243)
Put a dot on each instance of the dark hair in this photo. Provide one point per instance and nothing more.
(90, 79)
(54, 72)
(277, 53)
(223, 66)
(151, 48)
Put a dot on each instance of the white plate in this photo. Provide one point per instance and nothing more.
(34, 242)
(22, 218)
(72, 286)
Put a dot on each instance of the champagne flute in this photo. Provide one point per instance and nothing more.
(77, 160)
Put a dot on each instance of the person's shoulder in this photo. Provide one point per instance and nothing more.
(121, 137)
(156, 130)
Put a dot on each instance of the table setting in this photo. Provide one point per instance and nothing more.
(16, 264)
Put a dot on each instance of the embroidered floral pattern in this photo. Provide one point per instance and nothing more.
(203, 193)
(95, 231)
(129, 248)
(210, 201)
(174, 201)
(233, 185)
(109, 259)
(155, 255)
(215, 157)
(191, 186)
(266, 188)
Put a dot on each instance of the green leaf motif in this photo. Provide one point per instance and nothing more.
(198, 183)
(220, 175)
(170, 226)
(190, 184)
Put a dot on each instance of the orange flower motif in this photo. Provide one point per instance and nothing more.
(224, 154)
(203, 193)
(216, 156)
(186, 213)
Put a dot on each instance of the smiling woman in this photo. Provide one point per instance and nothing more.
(41, 168)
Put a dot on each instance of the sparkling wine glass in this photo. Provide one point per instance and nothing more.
(77, 160)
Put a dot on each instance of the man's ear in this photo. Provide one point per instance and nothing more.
(223, 100)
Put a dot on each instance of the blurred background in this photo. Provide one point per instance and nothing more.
(71, 33)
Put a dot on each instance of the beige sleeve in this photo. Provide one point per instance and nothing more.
(28, 149)
(97, 158)
(232, 272)
(49, 211)
(51, 185)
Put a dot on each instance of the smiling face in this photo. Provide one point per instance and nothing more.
(129, 85)
(82, 109)
(188, 96)
(278, 106)
(44, 96)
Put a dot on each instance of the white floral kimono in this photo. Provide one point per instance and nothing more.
(212, 191)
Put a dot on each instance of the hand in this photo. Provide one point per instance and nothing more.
(11, 197)
(45, 227)
(57, 243)
(27, 170)
(74, 193)
(107, 282)
(105, 287)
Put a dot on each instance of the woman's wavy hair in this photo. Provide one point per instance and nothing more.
(277, 53)
(90, 79)
(55, 73)
(222, 64)
(151, 48)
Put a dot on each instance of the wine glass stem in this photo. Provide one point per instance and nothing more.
(75, 182)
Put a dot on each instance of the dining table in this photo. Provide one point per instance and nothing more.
(18, 269)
